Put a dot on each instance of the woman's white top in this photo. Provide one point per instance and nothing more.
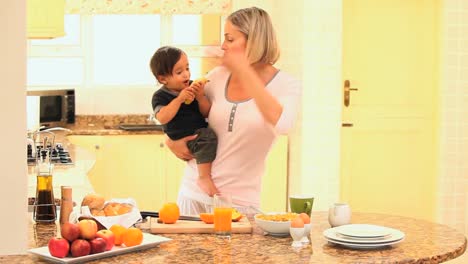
(244, 138)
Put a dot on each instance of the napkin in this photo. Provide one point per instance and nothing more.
(126, 220)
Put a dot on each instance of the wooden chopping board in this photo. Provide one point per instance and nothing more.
(196, 227)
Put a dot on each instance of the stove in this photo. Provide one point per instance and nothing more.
(57, 154)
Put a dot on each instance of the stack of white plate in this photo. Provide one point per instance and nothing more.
(363, 236)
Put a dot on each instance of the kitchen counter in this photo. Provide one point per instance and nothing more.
(425, 242)
(109, 125)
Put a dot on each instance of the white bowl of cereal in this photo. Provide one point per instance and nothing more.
(275, 223)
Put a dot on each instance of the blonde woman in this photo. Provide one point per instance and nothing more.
(252, 103)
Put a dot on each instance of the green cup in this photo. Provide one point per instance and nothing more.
(301, 204)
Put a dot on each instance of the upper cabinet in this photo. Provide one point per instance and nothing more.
(45, 19)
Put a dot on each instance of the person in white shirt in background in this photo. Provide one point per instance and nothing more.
(252, 103)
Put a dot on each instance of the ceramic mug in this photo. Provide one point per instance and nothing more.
(339, 214)
(301, 204)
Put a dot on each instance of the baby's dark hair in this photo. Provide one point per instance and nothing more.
(163, 61)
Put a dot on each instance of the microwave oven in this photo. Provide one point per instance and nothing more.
(54, 108)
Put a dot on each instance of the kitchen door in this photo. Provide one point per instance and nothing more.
(389, 106)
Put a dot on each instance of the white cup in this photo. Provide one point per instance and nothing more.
(339, 214)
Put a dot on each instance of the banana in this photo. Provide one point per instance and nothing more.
(199, 80)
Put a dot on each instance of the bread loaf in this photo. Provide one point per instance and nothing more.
(93, 201)
(113, 209)
(98, 212)
(96, 202)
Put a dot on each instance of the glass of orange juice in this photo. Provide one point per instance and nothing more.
(222, 203)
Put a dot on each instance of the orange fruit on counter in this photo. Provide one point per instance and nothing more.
(207, 218)
(297, 222)
(118, 231)
(236, 216)
(305, 218)
(132, 237)
(170, 213)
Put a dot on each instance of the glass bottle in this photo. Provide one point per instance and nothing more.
(44, 207)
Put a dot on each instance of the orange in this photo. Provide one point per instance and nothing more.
(118, 231)
(207, 218)
(236, 216)
(169, 214)
(132, 237)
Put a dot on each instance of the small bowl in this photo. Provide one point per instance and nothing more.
(279, 228)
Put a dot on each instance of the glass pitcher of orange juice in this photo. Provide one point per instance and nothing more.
(222, 203)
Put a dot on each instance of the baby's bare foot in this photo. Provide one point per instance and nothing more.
(207, 185)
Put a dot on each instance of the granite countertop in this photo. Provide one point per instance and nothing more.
(109, 125)
(425, 242)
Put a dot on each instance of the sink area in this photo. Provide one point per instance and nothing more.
(140, 127)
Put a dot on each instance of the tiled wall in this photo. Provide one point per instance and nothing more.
(309, 33)
(453, 180)
(321, 110)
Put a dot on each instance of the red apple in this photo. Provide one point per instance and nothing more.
(108, 236)
(80, 247)
(58, 247)
(88, 228)
(98, 245)
(70, 231)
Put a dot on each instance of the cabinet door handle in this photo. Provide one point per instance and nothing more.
(97, 147)
(161, 145)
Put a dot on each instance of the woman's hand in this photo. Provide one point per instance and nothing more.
(179, 147)
(235, 59)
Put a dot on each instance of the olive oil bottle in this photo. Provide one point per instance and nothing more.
(44, 206)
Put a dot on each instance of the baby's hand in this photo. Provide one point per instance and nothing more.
(186, 95)
(198, 88)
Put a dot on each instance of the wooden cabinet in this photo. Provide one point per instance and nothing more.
(142, 167)
(45, 18)
(126, 166)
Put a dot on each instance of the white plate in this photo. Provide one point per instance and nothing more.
(364, 246)
(149, 241)
(395, 235)
(363, 230)
(371, 239)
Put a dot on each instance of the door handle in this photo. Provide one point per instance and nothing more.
(347, 124)
(347, 92)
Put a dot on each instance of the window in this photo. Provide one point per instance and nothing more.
(122, 48)
(186, 30)
(57, 62)
(72, 27)
(55, 71)
(114, 50)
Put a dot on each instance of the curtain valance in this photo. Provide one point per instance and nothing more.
(91, 7)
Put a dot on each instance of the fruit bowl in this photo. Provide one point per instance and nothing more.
(275, 223)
